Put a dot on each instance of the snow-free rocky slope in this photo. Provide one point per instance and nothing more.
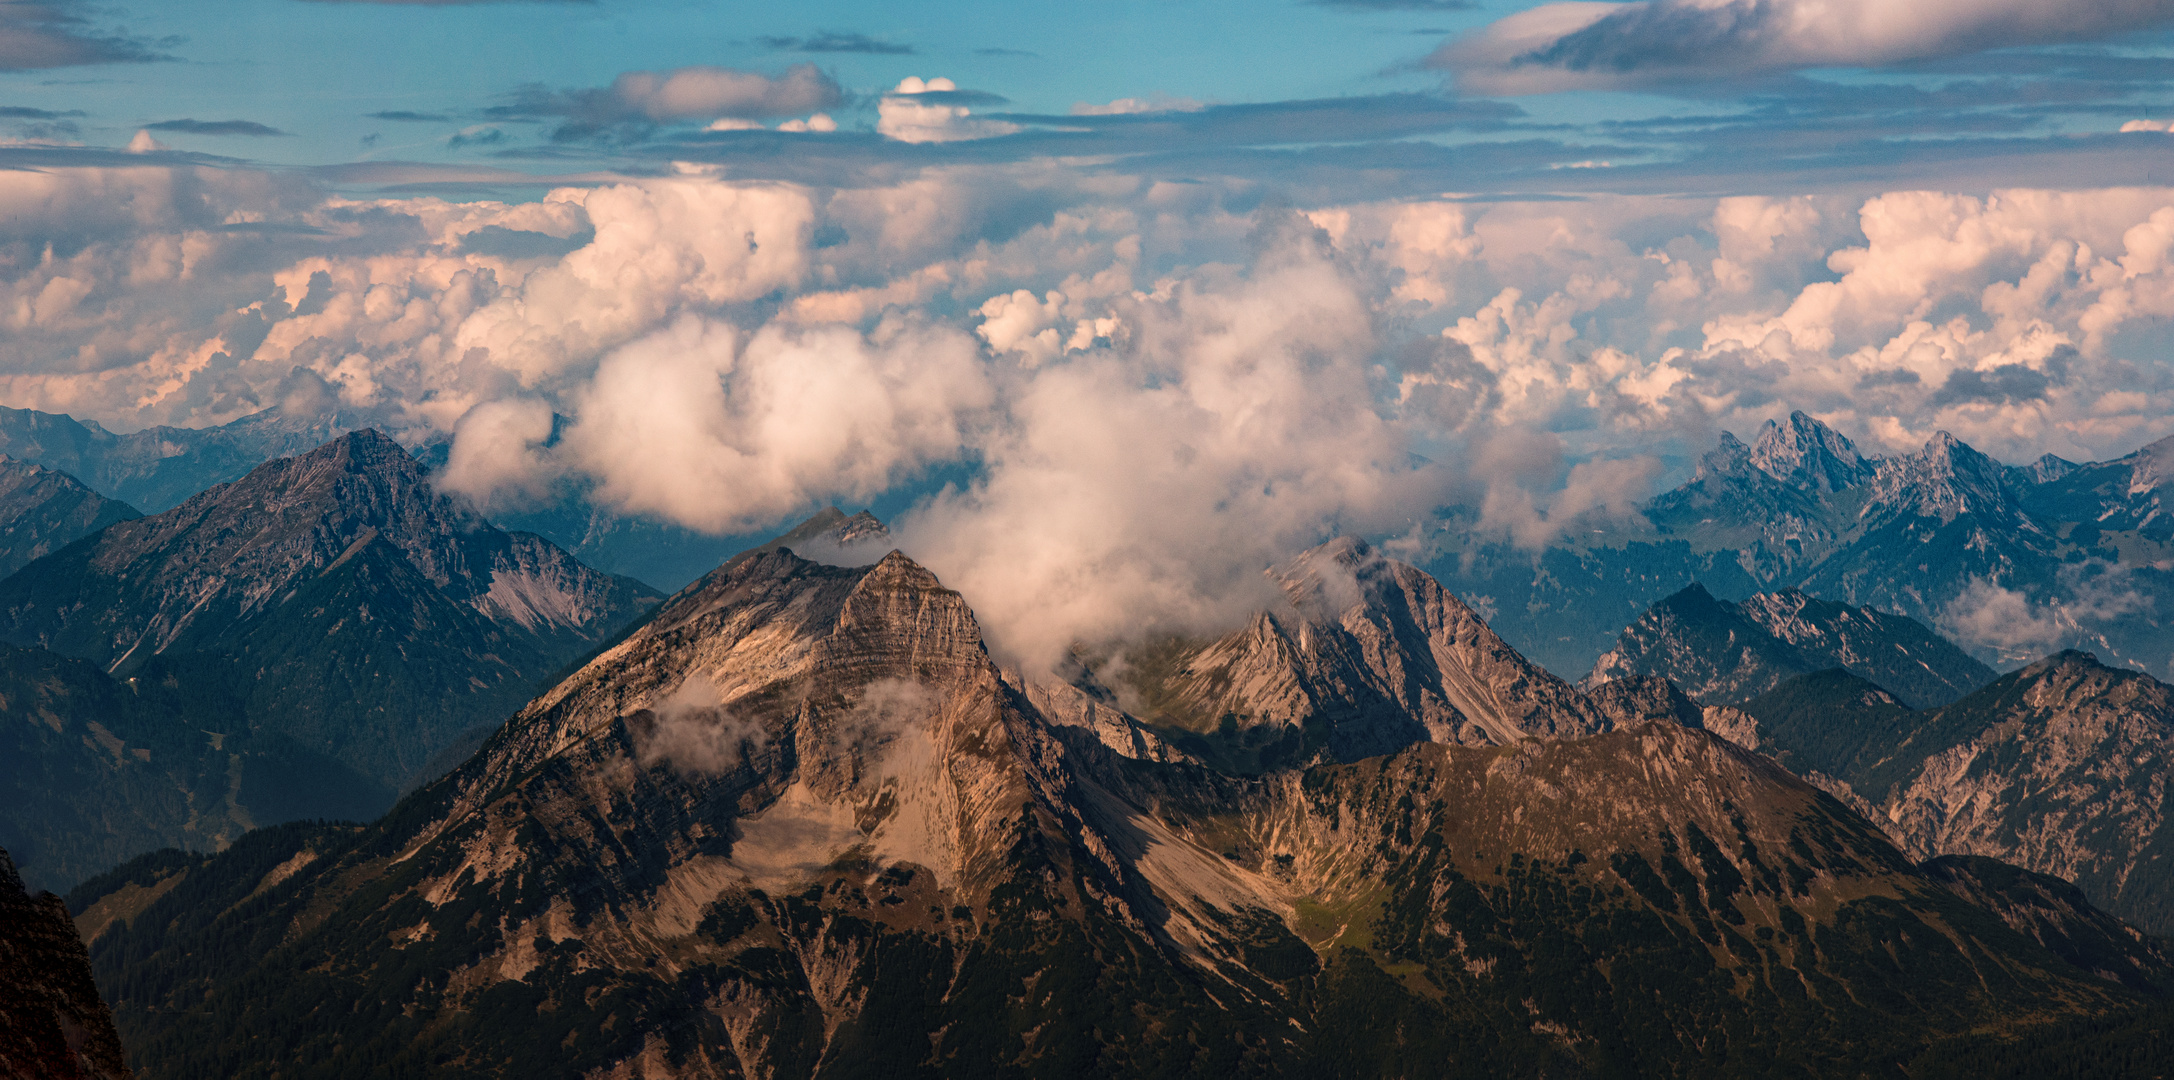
(1944, 535)
(335, 597)
(42, 511)
(2061, 767)
(800, 824)
(1721, 653)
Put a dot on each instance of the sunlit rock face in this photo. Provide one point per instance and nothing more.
(800, 823)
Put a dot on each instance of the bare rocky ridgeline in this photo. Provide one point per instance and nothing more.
(295, 644)
(42, 511)
(1721, 653)
(2020, 561)
(800, 823)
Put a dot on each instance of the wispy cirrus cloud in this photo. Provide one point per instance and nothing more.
(1396, 5)
(40, 34)
(216, 127)
(836, 41)
(1571, 46)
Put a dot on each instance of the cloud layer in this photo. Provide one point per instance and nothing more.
(1143, 391)
(1578, 45)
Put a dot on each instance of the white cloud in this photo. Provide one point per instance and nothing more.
(1567, 46)
(701, 424)
(691, 731)
(902, 114)
(1132, 106)
(703, 92)
(1163, 393)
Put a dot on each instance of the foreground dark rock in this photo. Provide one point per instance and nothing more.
(52, 1024)
(800, 824)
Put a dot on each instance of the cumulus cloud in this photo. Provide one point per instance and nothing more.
(1145, 484)
(1143, 391)
(1565, 46)
(727, 432)
(935, 111)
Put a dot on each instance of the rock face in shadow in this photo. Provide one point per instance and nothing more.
(294, 645)
(799, 824)
(42, 511)
(1943, 535)
(1726, 654)
(2061, 767)
(52, 1023)
(337, 598)
(159, 468)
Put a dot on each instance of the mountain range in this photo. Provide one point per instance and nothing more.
(2061, 767)
(800, 823)
(1721, 653)
(160, 467)
(297, 643)
(2013, 561)
(42, 511)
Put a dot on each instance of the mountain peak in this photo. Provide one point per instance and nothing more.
(1945, 480)
(1729, 457)
(1804, 452)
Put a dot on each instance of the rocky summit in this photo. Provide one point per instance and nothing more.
(799, 823)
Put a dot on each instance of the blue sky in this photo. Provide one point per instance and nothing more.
(328, 75)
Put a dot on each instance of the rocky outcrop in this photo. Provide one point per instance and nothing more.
(1726, 654)
(799, 823)
(42, 511)
(53, 1025)
(1370, 656)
